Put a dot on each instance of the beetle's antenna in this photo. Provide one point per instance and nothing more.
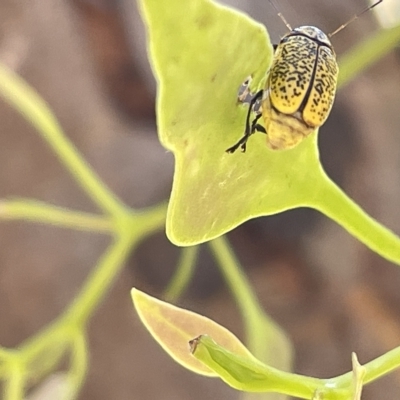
(354, 18)
(280, 15)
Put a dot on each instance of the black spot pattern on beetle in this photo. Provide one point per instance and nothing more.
(323, 89)
(291, 73)
(303, 75)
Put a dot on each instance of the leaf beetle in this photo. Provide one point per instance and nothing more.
(299, 90)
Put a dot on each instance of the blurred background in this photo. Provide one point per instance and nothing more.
(332, 295)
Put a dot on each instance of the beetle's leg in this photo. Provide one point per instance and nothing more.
(254, 100)
(254, 123)
(241, 143)
(259, 128)
(249, 128)
(255, 127)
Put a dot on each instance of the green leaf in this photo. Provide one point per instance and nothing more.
(248, 374)
(201, 53)
(217, 352)
(173, 327)
(240, 372)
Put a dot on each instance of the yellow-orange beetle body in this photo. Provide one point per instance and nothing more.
(299, 91)
(300, 88)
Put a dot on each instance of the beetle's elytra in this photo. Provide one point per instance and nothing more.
(299, 90)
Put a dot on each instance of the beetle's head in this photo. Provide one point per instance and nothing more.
(312, 32)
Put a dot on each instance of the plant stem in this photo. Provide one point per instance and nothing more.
(374, 369)
(24, 98)
(183, 274)
(236, 279)
(15, 384)
(35, 211)
(99, 281)
(132, 229)
(261, 330)
(79, 365)
(333, 202)
(361, 57)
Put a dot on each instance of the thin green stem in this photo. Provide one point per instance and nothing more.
(5, 356)
(79, 366)
(146, 221)
(374, 369)
(261, 330)
(236, 279)
(15, 384)
(366, 53)
(99, 281)
(183, 274)
(35, 211)
(23, 98)
(334, 203)
(132, 229)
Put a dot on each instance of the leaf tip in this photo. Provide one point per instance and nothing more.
(135, 294)
(193, 344)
